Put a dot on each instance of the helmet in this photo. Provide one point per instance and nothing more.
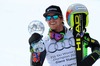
(76, 9)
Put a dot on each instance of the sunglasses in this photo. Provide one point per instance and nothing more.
(48, 17)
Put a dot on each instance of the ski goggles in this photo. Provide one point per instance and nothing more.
(48, 17)
(56, 36)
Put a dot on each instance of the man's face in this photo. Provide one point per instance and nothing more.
(54, 21)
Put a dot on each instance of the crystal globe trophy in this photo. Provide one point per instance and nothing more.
(37, 27)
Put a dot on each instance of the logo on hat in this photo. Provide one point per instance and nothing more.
(50, 9)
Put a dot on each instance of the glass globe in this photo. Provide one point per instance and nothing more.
(36, 27)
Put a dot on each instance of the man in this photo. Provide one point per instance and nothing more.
(59, 43)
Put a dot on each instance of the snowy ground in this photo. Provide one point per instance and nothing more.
(15, 15)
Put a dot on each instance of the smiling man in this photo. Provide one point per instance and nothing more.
(59, 43)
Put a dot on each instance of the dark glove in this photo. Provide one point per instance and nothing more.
(94, 44)
(36, 43)
(35, 37)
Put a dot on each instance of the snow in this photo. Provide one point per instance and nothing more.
(15, 15)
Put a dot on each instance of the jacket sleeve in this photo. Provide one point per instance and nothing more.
(37, 59)
(95, 47)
